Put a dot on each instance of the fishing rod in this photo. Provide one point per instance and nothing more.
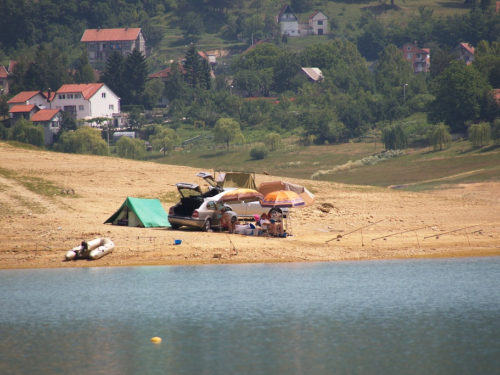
(234, 247)
(451, 231)
(395, 234)
(354, 231)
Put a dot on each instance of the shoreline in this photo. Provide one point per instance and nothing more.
(40, 221)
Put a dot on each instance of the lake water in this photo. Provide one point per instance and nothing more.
(363, 317)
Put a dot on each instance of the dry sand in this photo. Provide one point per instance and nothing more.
(36, 231)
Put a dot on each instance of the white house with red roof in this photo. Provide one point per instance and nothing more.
(50, 119)
(29, 97)
(419, 57)
(318, 24)
(101, 43)
(89, 100)
(19, 111)
(465, 52)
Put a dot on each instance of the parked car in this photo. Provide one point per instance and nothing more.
(195, 209)
(202, 209)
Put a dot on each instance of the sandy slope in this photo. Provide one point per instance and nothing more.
(36, 230)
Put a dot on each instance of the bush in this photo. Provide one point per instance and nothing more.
(259, 152)
(440, 137)
(479, 134)
(495, 133)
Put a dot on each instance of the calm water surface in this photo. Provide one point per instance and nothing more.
(365, 317)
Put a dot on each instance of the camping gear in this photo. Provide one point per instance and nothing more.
(239, 195)
(138, 212)
(244, 180)
(93, 249)
(282, 199)
(268, 187)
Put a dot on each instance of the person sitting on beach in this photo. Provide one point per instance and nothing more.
(228, 219)
(268, 223)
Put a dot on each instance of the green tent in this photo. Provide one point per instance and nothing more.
(137, 212)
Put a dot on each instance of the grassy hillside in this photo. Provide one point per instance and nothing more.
(418, 169)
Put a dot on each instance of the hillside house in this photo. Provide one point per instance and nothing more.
(465, 52)
(29, 97)
(19, 111)
(288, 21)
(419, 57)
(86, 100)
(50, 119)
(312, 74)
(318, 24)
(101, 43)
(4, 80)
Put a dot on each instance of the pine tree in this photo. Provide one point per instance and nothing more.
(84, 72)
(193, 67)
(136, 73)
(113, 74)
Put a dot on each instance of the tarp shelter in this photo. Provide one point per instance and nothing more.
(268, 187)
(242, 180)
(137, 212)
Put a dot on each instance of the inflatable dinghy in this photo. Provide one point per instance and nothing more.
(93, 249)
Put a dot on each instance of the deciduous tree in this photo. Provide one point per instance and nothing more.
(227, 131)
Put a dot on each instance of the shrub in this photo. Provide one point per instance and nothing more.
(273, 141)
(394, 138)
(440, 136)
(259, 152)
(479, 134)
(495, 133)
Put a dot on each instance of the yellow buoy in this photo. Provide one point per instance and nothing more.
(156, 340)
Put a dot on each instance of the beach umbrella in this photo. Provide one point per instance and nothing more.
(239, 195)
(282, 199)
(268, 187)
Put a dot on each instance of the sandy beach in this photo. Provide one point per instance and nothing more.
(346, 222)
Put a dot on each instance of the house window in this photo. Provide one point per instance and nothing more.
(62, 96)
(70, 96)
(78, 96)
(320, 23)
(80, 107)
(92, 55)
(103, 95)
(126, 44)
(104, 46)
(91, 46)
(409, 56)
(418, 55)
(1, 83)
(408, 48)
(112, 107)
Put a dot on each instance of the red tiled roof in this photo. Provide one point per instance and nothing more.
(161, 74)
(22, 97)
(44, 115)
(86, 89)
(52, 95)
(110, 35)
(12, 64)
(22, 108)
(3, 72)
(468, 47)
(202, 54)
(164, 73)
